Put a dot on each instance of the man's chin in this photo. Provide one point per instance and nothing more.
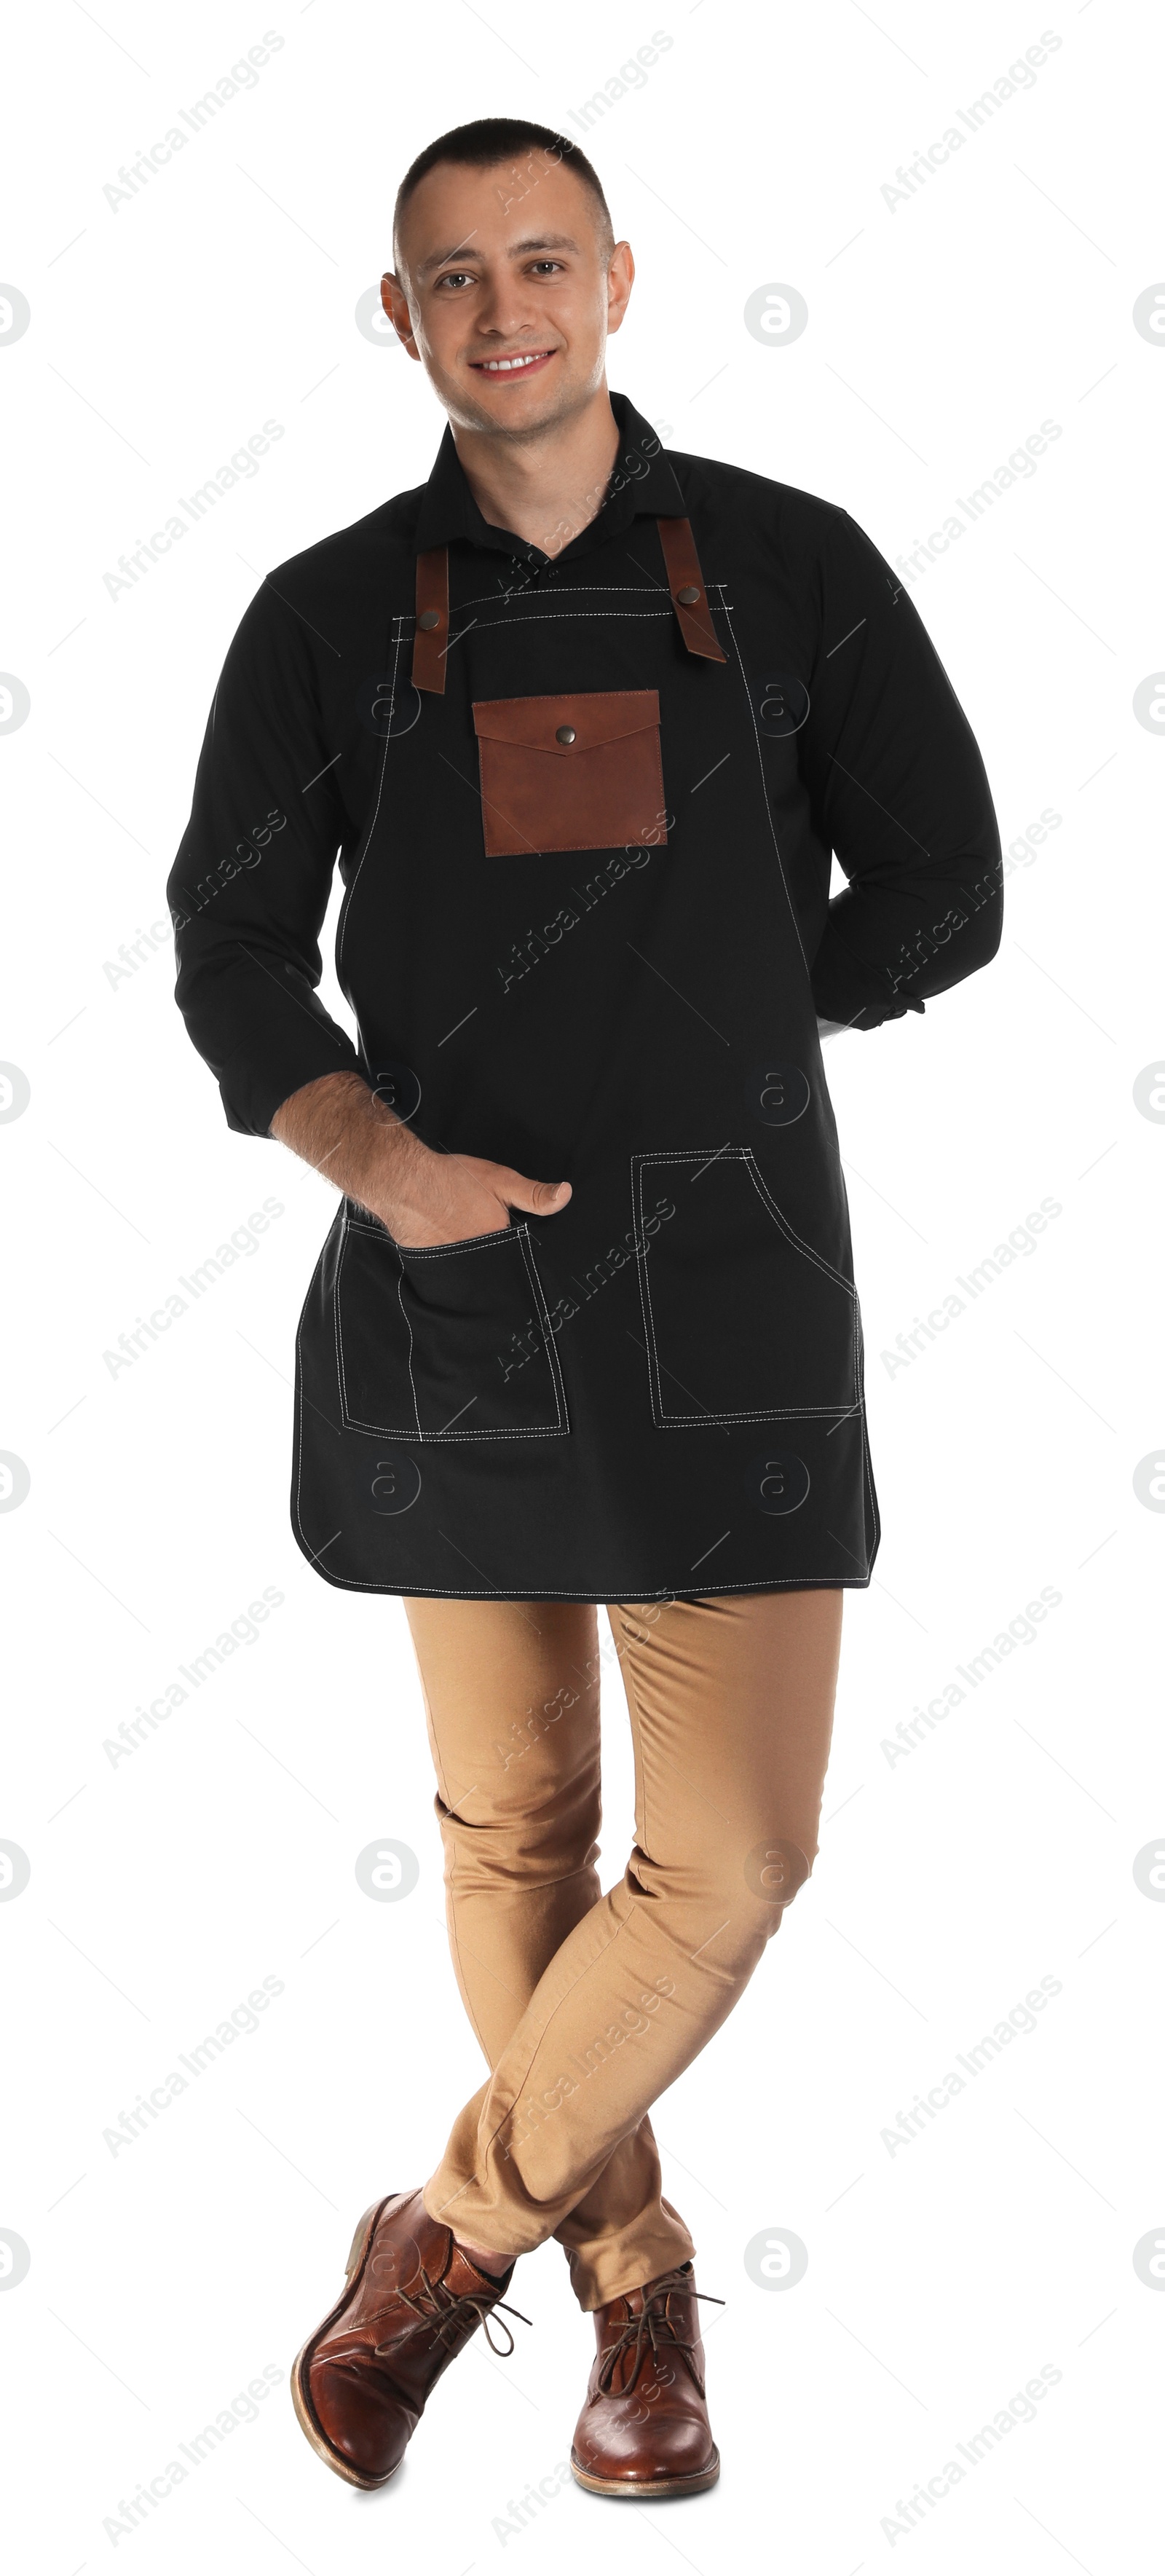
(543, 408)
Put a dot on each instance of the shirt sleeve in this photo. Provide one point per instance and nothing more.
(250, 885)
(899, 793)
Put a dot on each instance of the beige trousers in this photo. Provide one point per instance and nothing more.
(586, 2005)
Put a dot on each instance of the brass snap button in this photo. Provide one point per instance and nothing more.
(688, 596)
(565, 733)
(429, 617)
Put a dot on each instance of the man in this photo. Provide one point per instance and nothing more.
(584, 722)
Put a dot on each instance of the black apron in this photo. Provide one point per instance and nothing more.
(658, 1392)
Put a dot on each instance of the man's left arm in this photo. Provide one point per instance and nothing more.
(899, 793)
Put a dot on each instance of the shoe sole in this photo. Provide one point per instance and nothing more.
(300, 2393)
(639, 2490)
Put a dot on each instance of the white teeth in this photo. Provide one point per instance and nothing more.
(495, 366)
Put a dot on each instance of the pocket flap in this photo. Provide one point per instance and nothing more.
(593, 717)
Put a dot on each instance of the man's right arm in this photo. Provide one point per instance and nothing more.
(249, 888)
(248, 894)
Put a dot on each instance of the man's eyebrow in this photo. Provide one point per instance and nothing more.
(517, 250)
(440, 258)
(545, 241)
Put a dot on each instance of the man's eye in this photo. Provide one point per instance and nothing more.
(546, 265)
(455, 277)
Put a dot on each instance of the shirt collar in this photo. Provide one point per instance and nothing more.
(643, 485)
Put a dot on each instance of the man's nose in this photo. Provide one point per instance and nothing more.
(505, 310)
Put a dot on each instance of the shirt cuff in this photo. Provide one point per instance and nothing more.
(252, 1090)
(850, 994)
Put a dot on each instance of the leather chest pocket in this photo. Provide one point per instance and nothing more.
(743, 1321)
(580, 772)
(450, 1342)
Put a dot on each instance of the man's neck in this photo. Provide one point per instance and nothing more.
(546, 489)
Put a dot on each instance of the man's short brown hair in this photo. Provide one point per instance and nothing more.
(492, 140)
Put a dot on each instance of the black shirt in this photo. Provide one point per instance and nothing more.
(580, 1406)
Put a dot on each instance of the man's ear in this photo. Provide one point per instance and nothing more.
(396, 305)
(620, 280)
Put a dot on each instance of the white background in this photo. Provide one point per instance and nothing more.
(1000, 1849)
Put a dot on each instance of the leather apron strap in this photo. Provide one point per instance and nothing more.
(685, 582)
(431, 634)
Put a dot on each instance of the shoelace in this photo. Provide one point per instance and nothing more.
(435, 2304)
(655, 2327)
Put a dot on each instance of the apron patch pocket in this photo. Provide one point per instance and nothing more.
(579, 772)
(743, 1321)
(449, 1342)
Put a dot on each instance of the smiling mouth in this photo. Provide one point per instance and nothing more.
(520, 364)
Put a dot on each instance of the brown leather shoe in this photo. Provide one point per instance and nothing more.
(644, 2429)
(411, 2300)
